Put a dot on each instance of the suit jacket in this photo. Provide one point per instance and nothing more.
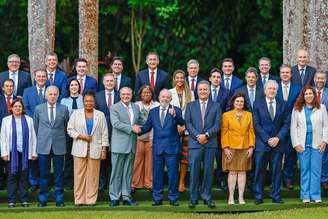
(31, 100)
(125, 82)
(196, 85)
(308, 76)
(77, 125)
(235, 134)
(166, 139)
(51, 135)
(123, 139)
(265, 128)
(101, 105)
(68, 101)
(223, 98)
(175, 99)
(195, 127)
(6, 137)
(24, 81)
(60, 81)
(324, 98)
(259, 80)
(90, 84)
(3, 107)
(294, 91)
(235, 83)
(142, 78)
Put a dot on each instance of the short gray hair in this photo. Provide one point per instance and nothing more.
(52, 87)
(13, 56)
(204, 82)
(265, 59)
(163, 91)
(192, 61)
(126, 88)
(273, 82)
(251, 70)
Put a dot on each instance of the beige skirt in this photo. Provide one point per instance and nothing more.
(238, 162)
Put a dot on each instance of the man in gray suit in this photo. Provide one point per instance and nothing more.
(124, 116)
(50, 122)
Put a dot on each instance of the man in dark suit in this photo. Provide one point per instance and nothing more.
(289, 93)
(220, 95)
(193, 78)
(203, 121)
(265, 75)
(230, 81)
(154, 77)
(271, 123)
(302, 73)
(5, 101)
(164, 120)
(87, 83)
(21, 79)
(55, 76)
(104, 100)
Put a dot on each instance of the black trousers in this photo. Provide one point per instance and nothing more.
(68, 166)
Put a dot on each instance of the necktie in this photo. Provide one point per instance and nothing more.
(271, 111)
(264, 80)
(319, 96)
(8, 103)
(74, 104)
(227, 83)
(302, 75)
(162, 116)
(129, 114)
(193, 84)
(285, 94)
(81, 85)
(116, 85)
(52, 118)
(215, 94)
(51, 78)
(251, 96)
(109, 100)
(41, 97)
(203, 110)
(13, 76)
(152, 80)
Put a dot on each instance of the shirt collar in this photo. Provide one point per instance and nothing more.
(54, 106)
(217, 88)
(268, 100)
(155, 71)
(299, 68)
(79, 77)
(283, 85)
(248, 87)
(200, 101)
(224, 77)
(10, 72)
(129, 106)
(267, 76)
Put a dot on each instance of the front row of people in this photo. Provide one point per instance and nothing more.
(24, 139)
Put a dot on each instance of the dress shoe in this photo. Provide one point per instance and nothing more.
(25, 204)
(42, 204)
(60, 204)
(209, 203)
(277, 201)
(130, 202)
(174, 203)
(34, 188)
(114, 203)
(11, 205)
(289, 186)
(192, 205)
(258, 201)
(157, 203)
(318, 201)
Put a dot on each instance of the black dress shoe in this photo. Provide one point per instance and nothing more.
(42, 204)
(157, 203)
(34, 188)
(130, 202)
(11, 205)
(258, 201)
(25, 204)
(209, 203)
(114, 203)
(277, 201)
(174, 203)
(60, 204)
(192, 204)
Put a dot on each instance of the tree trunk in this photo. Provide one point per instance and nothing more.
(41, 31)
(88, 36)
(305, 26)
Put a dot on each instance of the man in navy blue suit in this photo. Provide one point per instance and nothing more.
(220, 95)
(55, 76)
(87, 83)
(289, 93)
(271, 123)
(302, 73)
(193, 78)
(265, 75)
(230, 81)
(203, 122)
(32, 97)
(21, 79)
(104, 100)
(154, 77)
(164, 120)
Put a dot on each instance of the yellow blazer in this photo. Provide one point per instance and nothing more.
(236, 135)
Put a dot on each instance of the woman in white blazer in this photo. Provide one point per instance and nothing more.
(181, 96)
(18, 145)
(89, 131)
(309, 134)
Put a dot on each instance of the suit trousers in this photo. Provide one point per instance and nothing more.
(68, 169)
(19, 179)
(58, 167)
(143, 162)
(310, 166)
(86, 180)
(121, 176)
(34, 173)
(2, 173)
(105, 169)
(324, 169)
(290, 161)
(172, 164)
(262, 160)
(197, 157)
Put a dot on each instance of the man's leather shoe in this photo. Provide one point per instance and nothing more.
(25, 204)
(174, 203)
(192, 204)
(277, 201)
(209, 203)
(42, 204)
(130, 202)
(157, 203)
(60, 204)
(258, 201)
(114, 203)
(11, 205)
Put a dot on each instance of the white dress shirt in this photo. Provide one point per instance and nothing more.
(190, 81)
(53, 74)
(217, 91)
(230, 80)
(83, 79)
(118, 80)
(112, 97)
(131, 112)
(43, 90)
(14, 76)
(160, 111)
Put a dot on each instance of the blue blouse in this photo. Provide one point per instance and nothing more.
(308, 139)
(89, 123)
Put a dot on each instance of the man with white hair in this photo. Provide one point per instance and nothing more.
(271, 123)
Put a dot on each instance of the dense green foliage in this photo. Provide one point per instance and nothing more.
(178, 30)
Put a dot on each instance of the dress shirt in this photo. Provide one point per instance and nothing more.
(14, 77)
(165, 112)
(283, 87)
(316, 90)
(274, 104)
(49, 111)
(190, 81)
(53, 75)
(299, 69)
(230, 80)
(43, 90)
(83, 79)
(217, 91)
(131, 112)
(113, 95)
(118, 81)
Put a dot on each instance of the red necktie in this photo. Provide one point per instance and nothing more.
(192, 84)
(152, 80)
(8, 103)
(319, 96)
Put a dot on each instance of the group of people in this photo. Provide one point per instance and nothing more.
(123, 136)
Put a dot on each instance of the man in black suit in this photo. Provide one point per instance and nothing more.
(265, 75)
(21, 79)
(193, 78)
(302, 73)
(154, 77)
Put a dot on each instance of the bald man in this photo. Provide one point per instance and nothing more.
(302, 73)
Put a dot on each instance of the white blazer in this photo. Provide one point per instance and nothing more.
(77, 125)
(175, 100)
(319, 122)
(6, 137)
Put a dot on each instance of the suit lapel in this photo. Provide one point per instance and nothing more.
(147, 77)
(158, 78)
(104, 101)
(278, 110)
(95, 122)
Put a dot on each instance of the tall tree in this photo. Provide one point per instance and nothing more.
(41, 31)
(88, 36)
(305, 26)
